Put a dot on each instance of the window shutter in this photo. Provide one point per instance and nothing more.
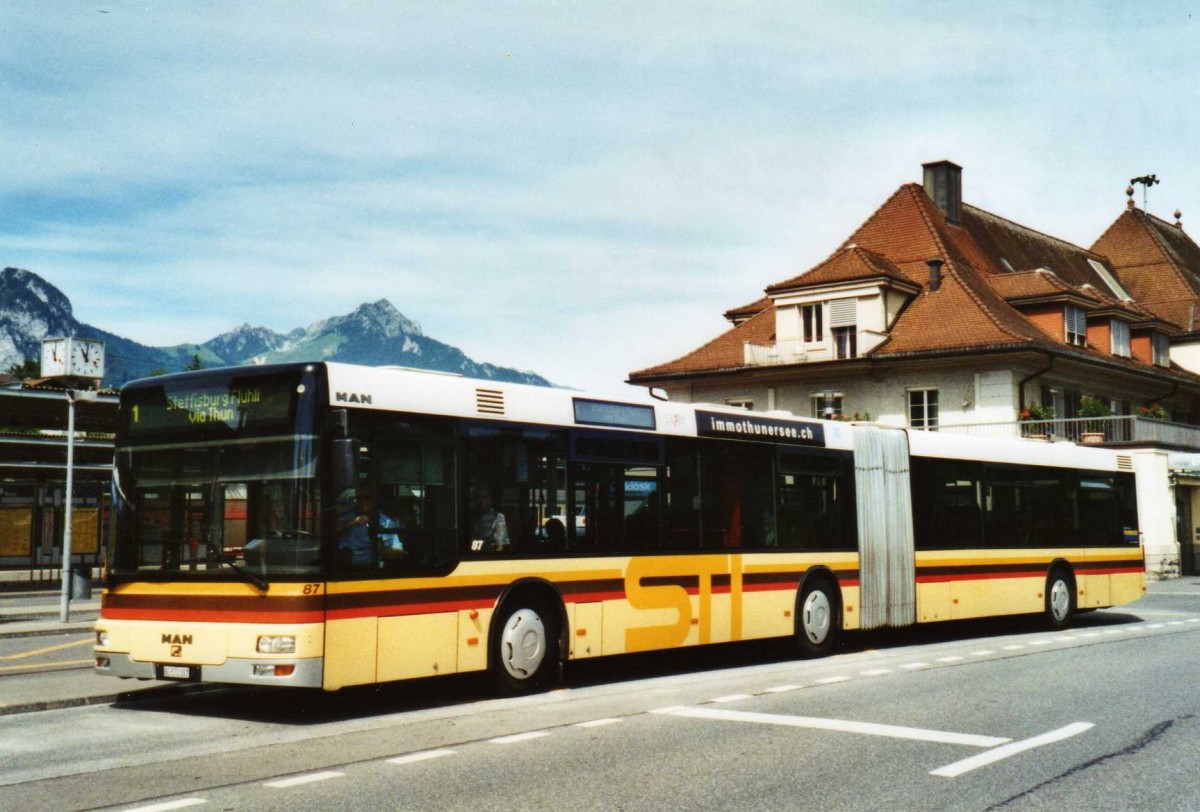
(843, 313)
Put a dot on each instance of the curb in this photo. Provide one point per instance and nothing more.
(142, 695)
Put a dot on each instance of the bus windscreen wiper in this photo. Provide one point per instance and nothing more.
(245, 575)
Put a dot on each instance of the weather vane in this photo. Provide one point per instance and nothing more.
(1147, 181)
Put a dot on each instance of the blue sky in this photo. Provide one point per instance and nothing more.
(580, 189)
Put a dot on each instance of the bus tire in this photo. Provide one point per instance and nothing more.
(818, 617)
(1060, 598)
(525, 649)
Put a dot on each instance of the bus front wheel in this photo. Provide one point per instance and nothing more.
(818, 618)
(524, 653)
(1060, 598)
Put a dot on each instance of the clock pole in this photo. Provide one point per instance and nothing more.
(64, 608)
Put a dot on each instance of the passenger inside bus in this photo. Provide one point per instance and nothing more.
(357, 523)
(489, 532)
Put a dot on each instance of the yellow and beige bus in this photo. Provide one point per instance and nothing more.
(327, 525)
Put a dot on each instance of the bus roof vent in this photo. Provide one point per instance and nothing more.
(1124, 462)
(489, 401)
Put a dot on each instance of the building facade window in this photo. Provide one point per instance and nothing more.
(827, 405)
(813, 317)
(923, 409)
(740, 403)
(1120, 337)
(1075, 321)
(845, 340)
(843, 325)
(1161, 349)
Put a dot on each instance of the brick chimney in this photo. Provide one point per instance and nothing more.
(943, 184)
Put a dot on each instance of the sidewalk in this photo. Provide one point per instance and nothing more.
(36, 614)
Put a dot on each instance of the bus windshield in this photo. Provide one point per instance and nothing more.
(216, 477)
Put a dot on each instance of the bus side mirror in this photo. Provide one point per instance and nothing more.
(344, 464)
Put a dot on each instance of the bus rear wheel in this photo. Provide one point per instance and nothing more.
(818, 618)
(1060, 599)
(525, 650)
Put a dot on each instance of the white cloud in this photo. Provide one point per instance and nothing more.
(578, 190)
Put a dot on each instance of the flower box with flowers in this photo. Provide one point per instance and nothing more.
(1154, 411)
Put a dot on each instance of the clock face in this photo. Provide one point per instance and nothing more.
(54, 357)
(87, 358)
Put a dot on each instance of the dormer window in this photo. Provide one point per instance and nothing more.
(1160, 347)
(1075, 322)
(1120, 337)
(843, 324)
(813, 316)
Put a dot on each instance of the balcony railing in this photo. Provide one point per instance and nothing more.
(788, 351)
(1088, 430)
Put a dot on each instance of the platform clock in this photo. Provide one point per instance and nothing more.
(54, 357)
(75, 357)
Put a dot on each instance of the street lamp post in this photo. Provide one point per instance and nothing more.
(72, 396)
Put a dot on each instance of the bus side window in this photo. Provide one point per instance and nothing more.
(946, 510)
(680, 504)
(738, 495)
(517, 493)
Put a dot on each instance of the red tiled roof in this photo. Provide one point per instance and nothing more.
(850, 264)
(740, 314)
(1156, 262)
(969, 310)
(726, 351)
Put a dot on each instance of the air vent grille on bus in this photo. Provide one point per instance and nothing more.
(489, 401)
(1124, 462)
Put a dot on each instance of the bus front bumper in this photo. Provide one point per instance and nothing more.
(300, 673)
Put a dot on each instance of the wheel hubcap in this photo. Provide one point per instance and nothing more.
(1060, 600)
(523, 644)
(816, 617)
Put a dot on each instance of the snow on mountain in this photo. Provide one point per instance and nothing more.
(375, 334)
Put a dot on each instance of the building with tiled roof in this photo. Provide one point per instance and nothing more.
(1160, 266)
(935, 312)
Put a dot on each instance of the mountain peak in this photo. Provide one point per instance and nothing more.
(373, 334)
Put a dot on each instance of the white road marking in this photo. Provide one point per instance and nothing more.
(1089, 635)
(731, 698)
(1112, 631)
(1041, 642)
(844, 726)
(982, 652)
(425, 755)
(182, 803)
(876, 672)
(1175, 623)
(669, 709)
(832, 680)
(303, 779)
(1193, 620)
(914, 666)
(1066, 638)
(1155, 626)
(1013, 647)
(992, 756)
(951, 659)
(598, 723)
(780, 689)
(519, 737)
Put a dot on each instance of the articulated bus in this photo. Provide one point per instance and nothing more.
(325, 525)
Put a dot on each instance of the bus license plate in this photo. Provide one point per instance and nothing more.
(176, 672)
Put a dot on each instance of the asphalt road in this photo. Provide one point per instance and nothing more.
(996, 715)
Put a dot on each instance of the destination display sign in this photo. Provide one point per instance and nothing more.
(223, 406)
(749, 426)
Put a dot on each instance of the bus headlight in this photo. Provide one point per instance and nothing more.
(101, 637)
(277, 644)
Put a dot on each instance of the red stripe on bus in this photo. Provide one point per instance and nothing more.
(978, 576)
(211, 616)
